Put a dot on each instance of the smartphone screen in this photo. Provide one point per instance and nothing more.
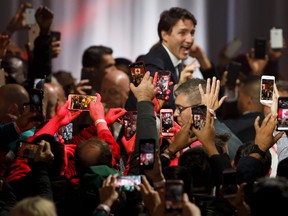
(174, 195)
(166, 121)
(199, 116)
(27, 149)
(137, 70)
(229, 183)
(267, 88)
(127, 183)
(129, 121)
(260, 48)
(233, 72)
(147, 153)
(276, 38)
(67, 132)
(282, 124)
(36, 103)
(162, 84)
(80, 102)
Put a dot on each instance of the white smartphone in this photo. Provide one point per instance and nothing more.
(166, 122)
(30, 16)
(232, 48)
(267, 89)
(276, 38)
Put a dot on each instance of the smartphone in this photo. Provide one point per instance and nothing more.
(2, 77)
(229, 183)
(90, 74)
(67, 132)
(267, 89)
(260, 48)
(127, 182)
(174, 195)
(147, 153)
(199, 116)
(276, 38)
(39, 83)
(56, 35)
(162, 84)
(137, 70)
(232, 48)
(80, 102)
(233, 72)
(282, 124)
(166, 122)
(129, 121)
(27, 149)
(36, 104)
(30, 16)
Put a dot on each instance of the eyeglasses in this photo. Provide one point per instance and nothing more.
(180, 109)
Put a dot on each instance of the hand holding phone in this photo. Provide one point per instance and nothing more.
(166, 122)
(162, 84)
(137, 70)
(267, 89)
(27, 149)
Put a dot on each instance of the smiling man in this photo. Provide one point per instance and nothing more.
(176, 29)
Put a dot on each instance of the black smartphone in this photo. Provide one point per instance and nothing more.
(129, 121)
(89, 73)
(260, 48)
(127, 182)
(174, 195)
(36, 103)
(199, 116)
(137, 70)
(282, 124)
(229, 183)
(56, 35)
(27, 149)
(162, 84)
(147, 153)
(67, 132)
(233, 71)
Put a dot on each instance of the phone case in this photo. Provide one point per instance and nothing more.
(80, 102)
(199, 116)
(233, 72)
(137, 70)
(162, 84)
(174, 195)
(260, 48)
(147, 153)
(129, 121)
(267, 88)
(276, 38)
(166, 122)
(229, 183)
(282, 118)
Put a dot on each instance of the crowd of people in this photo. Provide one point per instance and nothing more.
(97, 170)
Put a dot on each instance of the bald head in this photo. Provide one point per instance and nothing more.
(115, 88)
(12, 98)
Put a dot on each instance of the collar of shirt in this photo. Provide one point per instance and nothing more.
(173, 58)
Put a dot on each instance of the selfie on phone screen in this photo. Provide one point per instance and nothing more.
(147, 151)
(282, 113)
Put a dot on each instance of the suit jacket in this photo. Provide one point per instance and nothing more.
(155, 60)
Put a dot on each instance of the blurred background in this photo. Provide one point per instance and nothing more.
(129, 27)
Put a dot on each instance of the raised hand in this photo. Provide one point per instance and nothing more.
(44, 17)
(113, 114)
(44, 153)
(210, 98)
(108, 194)
(97, 109)
(65, 116)
(4, 42)
(82, 86)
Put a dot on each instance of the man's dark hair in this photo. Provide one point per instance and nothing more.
(103, 158)
(169, 18)
(92, 56)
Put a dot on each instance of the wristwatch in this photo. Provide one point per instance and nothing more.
(255, 149)
(169, 154)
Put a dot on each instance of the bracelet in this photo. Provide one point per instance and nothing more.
(103, 207)
(168, 153)
(160, 184)
(99, 121)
